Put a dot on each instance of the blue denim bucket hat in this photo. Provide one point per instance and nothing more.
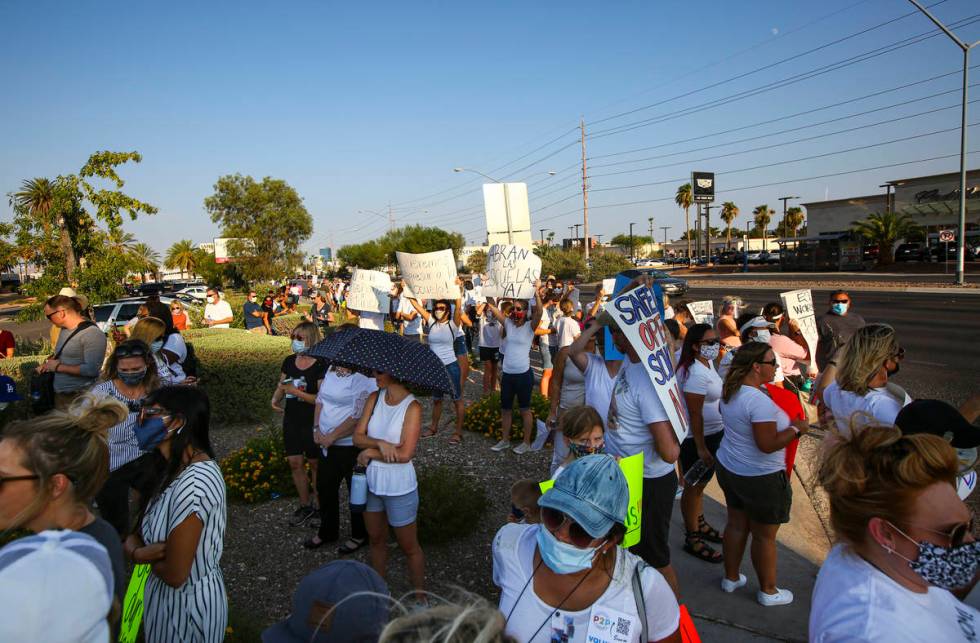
(593, 492)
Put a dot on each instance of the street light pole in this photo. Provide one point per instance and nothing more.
(665, 228)
(632, 254)
(652, 239)
(542, 230)
(961, 241)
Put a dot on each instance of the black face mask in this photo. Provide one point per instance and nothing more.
(892, 372)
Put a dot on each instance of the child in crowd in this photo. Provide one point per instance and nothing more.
(581, 429)
(524, 496)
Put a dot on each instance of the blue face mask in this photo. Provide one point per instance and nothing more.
(299, 346)
(150, 432)
(839, 309)
(156, 346)
(563, 558)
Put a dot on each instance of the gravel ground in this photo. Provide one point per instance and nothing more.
(264, 559)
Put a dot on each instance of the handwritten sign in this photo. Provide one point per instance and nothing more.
(632, 468)
(703, 312)
(369, 292)
(511, 272)
(637, 314)
(609, 286)
(798, 305)
(132, 614)
(431, 275)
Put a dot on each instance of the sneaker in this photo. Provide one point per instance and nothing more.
(500, 446)
(522, 448)
(302, 514)
(781, 597)
(731, 585)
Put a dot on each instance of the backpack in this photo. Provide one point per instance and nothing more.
(191, 363)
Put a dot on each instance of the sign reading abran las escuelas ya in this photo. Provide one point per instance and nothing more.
(636, 314)
(511, 272)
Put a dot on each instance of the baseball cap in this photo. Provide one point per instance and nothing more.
(593, 492)
(8, 390)
(56, 586)
(342, 601)
(938, 418)
(755, 322)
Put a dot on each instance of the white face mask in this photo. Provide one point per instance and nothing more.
(710, 351)
(762, 336)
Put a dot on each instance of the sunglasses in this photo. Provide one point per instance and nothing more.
(840, 301)
(712, 342)
(517, 513)
(439, 309)
(771, 362)
(554, 519)
(956, 535)
(15, 478)
(129, 351)
(50, 315)
(900, 355)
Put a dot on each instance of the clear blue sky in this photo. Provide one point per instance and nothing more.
(359, 104)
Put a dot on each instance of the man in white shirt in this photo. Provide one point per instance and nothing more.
(217, 312)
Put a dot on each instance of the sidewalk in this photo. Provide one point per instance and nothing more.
(828, 285)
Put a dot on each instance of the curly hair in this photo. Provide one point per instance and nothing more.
(864, 354)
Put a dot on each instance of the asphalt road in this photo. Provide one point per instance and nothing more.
(940, 334)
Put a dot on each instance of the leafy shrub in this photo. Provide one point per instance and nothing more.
(19, 368)
(606, 264)
(484, 416)
(259, 471)
(450, 504)
(284, 325)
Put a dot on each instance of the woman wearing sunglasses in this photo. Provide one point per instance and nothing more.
(179, 315)
(129, 375)
(751, 468)
(182, 520)
(905, 542)
(702, 394)
(568, 579)
(862, 391)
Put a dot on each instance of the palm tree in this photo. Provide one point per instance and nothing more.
(794, 219)
(145, 259)
(885, 230)
(762, 216)
(121, 242)
(181, 255)
(729, 211)
(684, 199)
(40, 198)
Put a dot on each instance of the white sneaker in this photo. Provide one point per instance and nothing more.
(500, 446)
(522, 448)
(731, 585)
(781, 597)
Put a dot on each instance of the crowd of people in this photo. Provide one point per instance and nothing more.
(129, 429)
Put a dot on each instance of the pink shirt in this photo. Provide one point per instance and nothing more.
(788, 352)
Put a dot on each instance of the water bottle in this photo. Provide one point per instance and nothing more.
(807, 385)
(698, 471)
(358, 489)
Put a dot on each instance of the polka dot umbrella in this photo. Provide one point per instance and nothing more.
(369, 350)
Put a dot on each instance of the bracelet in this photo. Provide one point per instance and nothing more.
(798, 432)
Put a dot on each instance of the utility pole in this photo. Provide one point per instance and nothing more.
(585, 194)
(391, 218)
(571, 239)
(632, 254)
(665, 228)
(652, 240)
(784, 199)
(577, 226)
(707, 233)
(542, 234)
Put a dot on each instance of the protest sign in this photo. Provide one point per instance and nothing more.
(609, 286)
(798, 305)
(511, 272)
(620, 281)
(703, 312)
(430, 275)
(132, 614)
(632, 468)
(507, 213)
(369, 292)
(637, 315)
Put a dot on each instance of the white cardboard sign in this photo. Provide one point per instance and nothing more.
(637, 316)
(511, 272)
(369, 291)
(703, 312)
(609, 286)
(798, 305)
(430, 275)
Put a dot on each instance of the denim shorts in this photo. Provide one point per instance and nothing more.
(459, 345)
(455, 376)
(401, 510)
(547, 355)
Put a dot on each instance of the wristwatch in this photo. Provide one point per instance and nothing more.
(798, 432)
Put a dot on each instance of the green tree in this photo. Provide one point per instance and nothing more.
(623, 240)
(762, 215)
(564, 264)
(44, 200)
(685, 199)
(477, 262)
(269, 220)
(144, 259)
(794, 219)
(368, 255)
(606, 264)
(419, 239)
(886, 230)
(729, 211)
(181, 256)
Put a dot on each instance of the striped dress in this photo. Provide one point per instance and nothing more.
(198, 609)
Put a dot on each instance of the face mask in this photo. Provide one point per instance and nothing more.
(517, 315)
(156, 346)
(151, 432)
(580, 450)
(213, 300)
(133, 378)
(892, 372)
(945, 567)
(762, 336)
(839, 309)
(710, 351)
(299, 346)
(563, 558)
(252, 299)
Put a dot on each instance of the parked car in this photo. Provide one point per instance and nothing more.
(772, 256)
(114, 314)
(938, 252)
(673, 286)
(755, 257)
(199, 293)
(728, 256)
(911, 252)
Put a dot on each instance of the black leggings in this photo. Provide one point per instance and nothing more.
(113, 498)
(337, 465)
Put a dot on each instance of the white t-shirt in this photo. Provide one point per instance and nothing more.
(414, 326)
(517, 358)
(441, 338)
(703, 380)
(634, 407)
(738, 451)
(489, 330)
(341, 397)
(548, 321)
(220, 310)
(853, 601)
(882, 404)
(567, 331)
(373, 321)
(531, 620)
(598, 385)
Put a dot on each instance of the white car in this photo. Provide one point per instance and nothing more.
(197, 292)
(755, 257)
(114, 314)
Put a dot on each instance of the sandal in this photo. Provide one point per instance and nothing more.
(429, 433)
(707, 532)
(352, 545)
(309, 543)
(456, 439)
(699, 549)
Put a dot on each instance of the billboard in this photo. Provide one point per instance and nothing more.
(222, 253)
(703, 187)
(507, 213)
(327, 254)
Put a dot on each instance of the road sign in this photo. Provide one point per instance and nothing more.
(947, 236)
(703, 187)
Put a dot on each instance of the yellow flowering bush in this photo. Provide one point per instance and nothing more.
(483, 416)
(258, 471)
